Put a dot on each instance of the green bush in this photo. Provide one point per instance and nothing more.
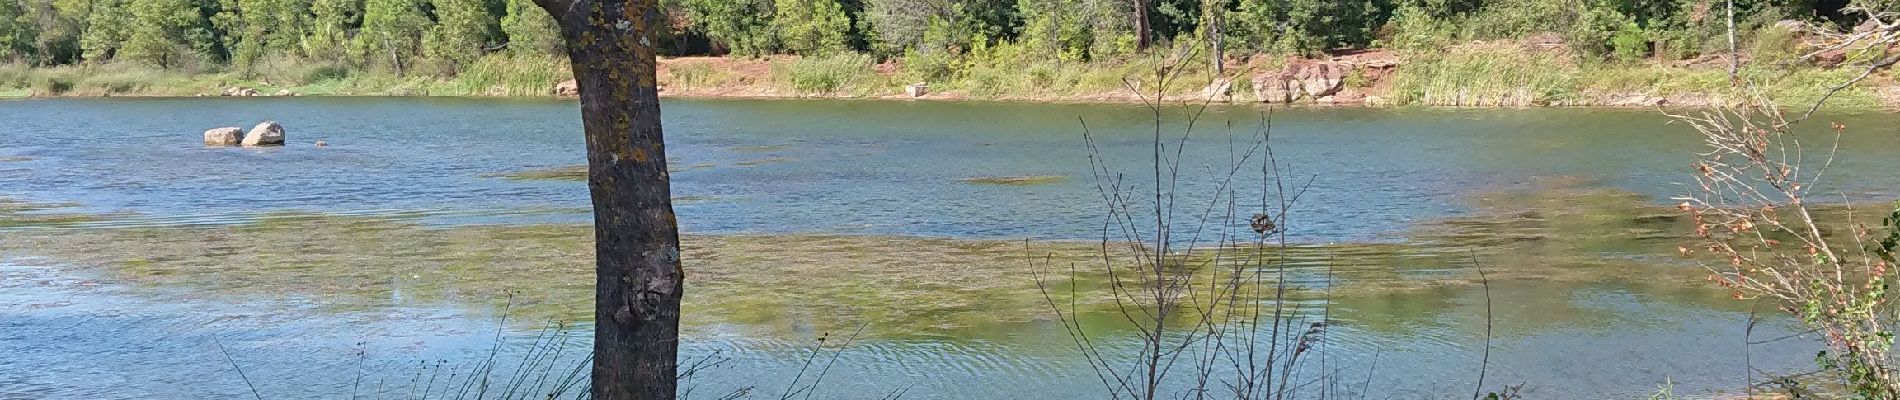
(1494, 75)
(934, 66)
(1413, 28)
(52, 85)
(509, 74)
(1629, 43)
(691, 74)
(15, 76)
(833, 74)
(325, 72)
(1774, 46)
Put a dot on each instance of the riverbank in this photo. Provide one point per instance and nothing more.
(1476, 74)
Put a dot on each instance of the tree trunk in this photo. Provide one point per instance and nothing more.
(1217, 55)
(636, 238)
(1141, 25)
(1733, 62)
(394, 60)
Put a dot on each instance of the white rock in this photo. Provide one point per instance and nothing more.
(267, 133)
(226, 136)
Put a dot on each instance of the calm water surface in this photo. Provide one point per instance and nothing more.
(872, 170)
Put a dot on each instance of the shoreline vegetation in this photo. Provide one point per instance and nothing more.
(1477, 74)
(1456, 53)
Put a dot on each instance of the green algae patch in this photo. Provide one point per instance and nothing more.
(903, 286)
(762, 149)
(763, 161)
(22, 214)
(574, 173)
(578, 173)
(1019, 180)
(1534, 245)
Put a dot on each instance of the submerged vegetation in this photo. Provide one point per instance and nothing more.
(577, 173)
(20, 213)
(901, 286)
(1019, 180)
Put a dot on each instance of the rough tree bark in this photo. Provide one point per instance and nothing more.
(636, 237)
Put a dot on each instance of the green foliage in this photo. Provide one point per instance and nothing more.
(1518, 18)
(462, 31)
(811, 27)
(1415, 28)
(1886, 245)
(394, 27)
(1485, 76)
(106, 28)
(256, 28)
(16, 33)
(692, 75)
(331, 22)
(981, 47)
(930, 67)
(834, 74)
(530, 30)
(505, 74)
(740, 26)
(1055, 27)
(1773, 45)
(1629, 43)
(159, 28)
(893, 27)
(15, 76)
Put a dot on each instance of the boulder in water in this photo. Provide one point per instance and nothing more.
(226, 136)
(570, 88)
(267, 133)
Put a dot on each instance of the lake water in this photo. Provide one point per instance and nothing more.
(386, 261)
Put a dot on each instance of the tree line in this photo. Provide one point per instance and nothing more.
(450, 34)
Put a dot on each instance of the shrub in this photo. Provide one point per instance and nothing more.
(1490, 75)
(934, 66)
(325, 72)
(1774, 46)
(825, 75)
(1629, 43)
(509, 74)
(52, 84)
(15, 75)
(696, 75)
(1413, 28)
